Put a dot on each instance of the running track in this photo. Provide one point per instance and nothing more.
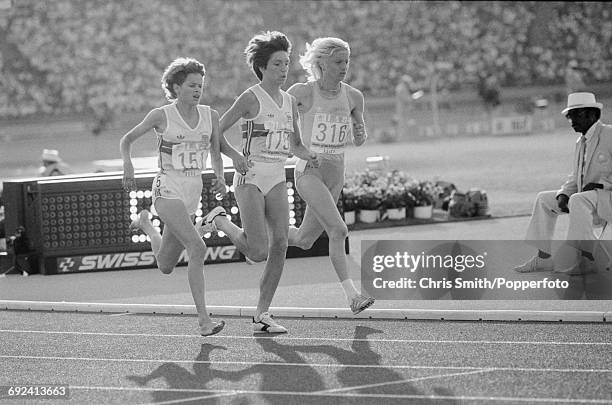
(147, 358)
(143, 358)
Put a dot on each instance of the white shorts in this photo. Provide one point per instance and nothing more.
(176, 186)
(263, 175)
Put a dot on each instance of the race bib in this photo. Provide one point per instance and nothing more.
(277, 141)
(330, 133)
(189, 155)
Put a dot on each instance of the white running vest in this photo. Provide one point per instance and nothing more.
(266, 138)
(182, 148)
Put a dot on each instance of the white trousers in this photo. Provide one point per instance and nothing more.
(582, 219)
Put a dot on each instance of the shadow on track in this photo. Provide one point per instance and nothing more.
(315, 382)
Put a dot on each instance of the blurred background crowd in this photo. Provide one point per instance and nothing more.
(98, 58)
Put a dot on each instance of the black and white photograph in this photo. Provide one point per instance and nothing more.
(305, 202)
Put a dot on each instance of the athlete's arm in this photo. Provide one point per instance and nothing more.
(297, 147)
(215, 156)
(303, 95)
(357, 107)
(154, 119)
(242, 108)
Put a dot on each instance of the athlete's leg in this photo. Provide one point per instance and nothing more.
(167, 248)
(309, 231)
(322, 204)
(277, 220)
(251, 239)
(179, 223)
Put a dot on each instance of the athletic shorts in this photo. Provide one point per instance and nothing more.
(177, 186)
(330, 172)
(263, 175)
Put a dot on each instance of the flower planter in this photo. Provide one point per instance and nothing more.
(423, 212)
(349, 217)
(368, 216)
(396, 213)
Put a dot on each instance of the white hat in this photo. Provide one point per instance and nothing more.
(50, 155)
(581, 100)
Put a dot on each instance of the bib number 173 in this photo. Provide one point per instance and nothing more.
(278, 141)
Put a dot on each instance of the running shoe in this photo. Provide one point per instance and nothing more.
(265, 324)
(203, 228)
(207, 224)
(361, 302)
(216, 328)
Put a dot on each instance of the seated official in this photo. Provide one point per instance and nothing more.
(52, 164)
(589, 182)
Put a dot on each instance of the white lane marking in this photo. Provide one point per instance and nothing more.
(190, 399)
(262, 363)
(352, 395)
(478, 342)
(385, 384)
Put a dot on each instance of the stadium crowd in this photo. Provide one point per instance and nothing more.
(98, 58)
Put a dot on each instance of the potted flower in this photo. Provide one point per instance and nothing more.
(368, 201)
(410, 203)
(394, 201)
(349, 203)
(443, 194)
(368, 177)
(424, 196)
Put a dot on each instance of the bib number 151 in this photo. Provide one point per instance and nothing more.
(187, 156)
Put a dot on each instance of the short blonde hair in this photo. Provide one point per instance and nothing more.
(320, 47)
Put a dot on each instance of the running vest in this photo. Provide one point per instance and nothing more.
(327, 126)
(180, 147)
(265, 138)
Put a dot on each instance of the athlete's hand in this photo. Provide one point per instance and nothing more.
(242, 164)
(315, 159)
(359, 134)
(219, 187)
(129, 183)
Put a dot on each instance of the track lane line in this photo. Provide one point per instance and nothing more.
(331, 365)
(198, 398)
(355, 395)
(386, 384)
(512, 315)
(478, 342)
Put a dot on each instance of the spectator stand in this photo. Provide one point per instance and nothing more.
(43, 47)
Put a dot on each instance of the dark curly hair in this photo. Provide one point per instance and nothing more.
(262, 46)
(177, 72)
